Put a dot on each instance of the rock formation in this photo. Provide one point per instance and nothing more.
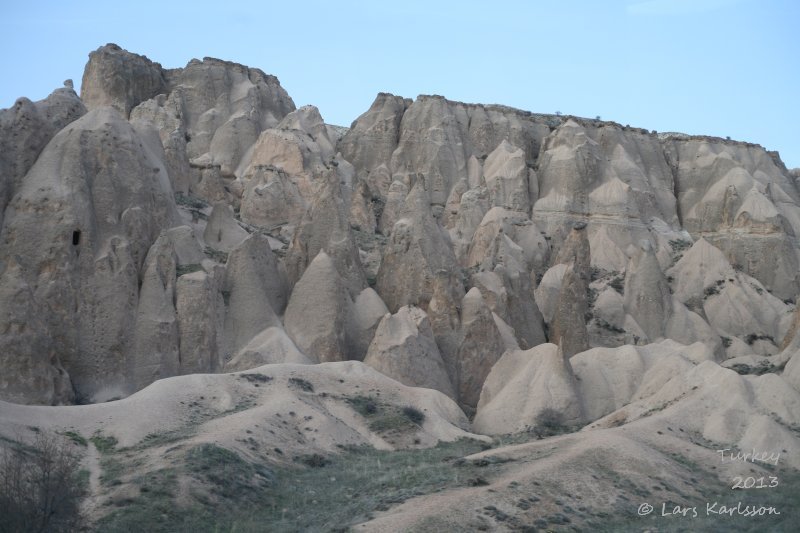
(404, 349)
(194, 219)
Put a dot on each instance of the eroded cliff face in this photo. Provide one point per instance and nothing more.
(168, 229)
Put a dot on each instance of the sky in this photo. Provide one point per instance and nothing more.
(712, 67)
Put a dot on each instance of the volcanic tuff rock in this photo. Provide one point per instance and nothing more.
(117, 78)
(193, 220)
(26, 128)
(404, 349)
(523, 384)
(318, 310)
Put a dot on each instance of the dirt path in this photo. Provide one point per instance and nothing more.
(92, 464)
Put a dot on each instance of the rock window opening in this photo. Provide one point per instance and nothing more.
(76, 238)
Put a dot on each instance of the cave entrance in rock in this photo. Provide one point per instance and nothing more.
(76, 237)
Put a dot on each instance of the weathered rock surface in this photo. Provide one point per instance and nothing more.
(367, 312)
(195, 218)
(79, 228)
(222, 232)
(325, 227)
(117, 78)
(271, 346)
(568, 326)
(200, 308)
(26, 128)
(481, 347)
(155, 352)
(417, 250)
(256, 292)
(523, 384)
(404, 349)
(318, 309)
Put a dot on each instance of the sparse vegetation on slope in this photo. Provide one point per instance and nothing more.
(229, 493)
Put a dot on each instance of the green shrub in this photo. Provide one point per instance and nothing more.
(679, 245)
(364, 405)
(104, 444)
(714, 289)
(190, 201)
(753, 337)
(216, 255)
(301, 384)
(414, 415)
(180, 270)
(75, 437)
(550, 422)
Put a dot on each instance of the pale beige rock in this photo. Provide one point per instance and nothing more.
(417, 250)
(404, 349)
(115, 77)
(187, 249)
(361, 214)
(524, 383)
(325, 227)
(395, 199)
(480, 349)
(506, 333)
(233, 401)
(367, 312)
(791, 372)
(735, 303)
(256, 292)
(722, 192)
(308, 120)
(610, 378)
(605, 253)
(374, 136)
(98, 185)
(548, 290)
(792, 336)
(271, 197)
(200, 309)
(506, 177)
(222, 231)
(317, 313)
(473, 206)
(225, 106)
(647, 295)
(699, 269)
(568, 326)
(155, 352)
(256, 268)
(271, 346)
(32, 368)
(25, 129)
(509, 295)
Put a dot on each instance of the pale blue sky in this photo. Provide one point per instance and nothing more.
(717, 67)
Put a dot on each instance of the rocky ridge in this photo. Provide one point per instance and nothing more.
(421, 199)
